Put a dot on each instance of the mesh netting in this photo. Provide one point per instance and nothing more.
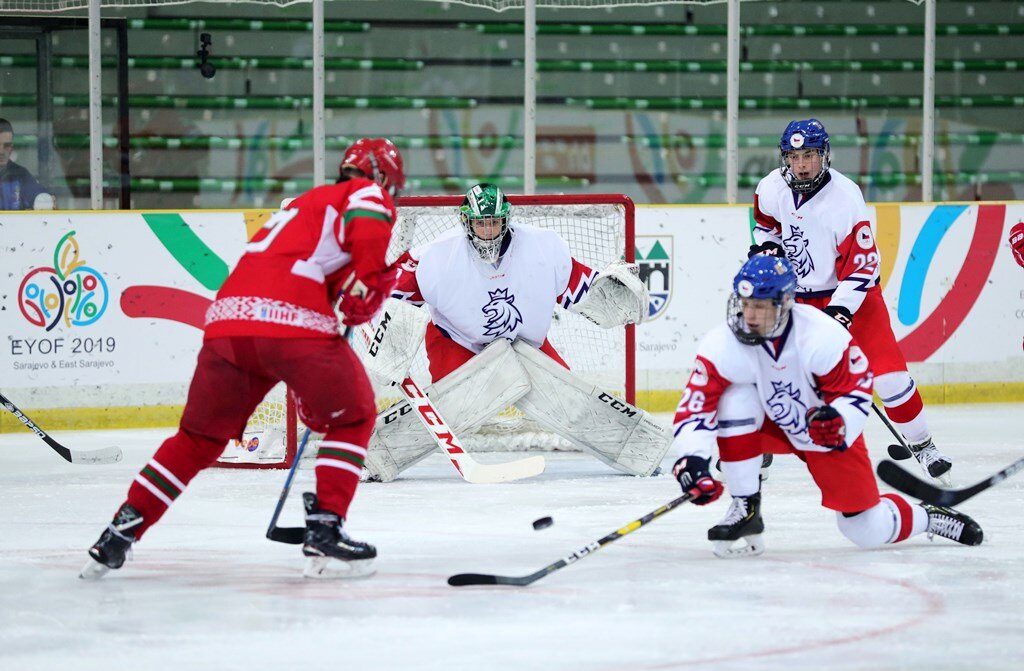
(596, 235)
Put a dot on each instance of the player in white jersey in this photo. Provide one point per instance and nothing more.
(816, 217)
(784, 378)
(490, 287)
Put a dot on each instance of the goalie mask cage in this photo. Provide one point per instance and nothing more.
(599, 229)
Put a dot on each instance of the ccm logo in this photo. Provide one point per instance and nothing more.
(378, 335)
(402, 409)
(623, 407)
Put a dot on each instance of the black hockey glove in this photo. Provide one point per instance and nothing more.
(827, 427)
(766, 248)
(840, 314)
(693, 472)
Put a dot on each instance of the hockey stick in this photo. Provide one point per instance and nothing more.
(106, 455)
(290, 535)
(469, 468)
(463, 579)
(897, 478)
(902, 451)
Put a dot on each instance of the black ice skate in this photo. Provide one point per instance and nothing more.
(952, 524)
(325, 541)
(742, 522)
(114, 545)
(935, 463)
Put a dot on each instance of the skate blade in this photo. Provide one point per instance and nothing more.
(754, 545)
(93, 570)
(328, 568)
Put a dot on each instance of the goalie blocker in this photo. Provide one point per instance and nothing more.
(617, 433)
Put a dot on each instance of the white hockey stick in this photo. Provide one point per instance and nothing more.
(446, 440)
(470, 469)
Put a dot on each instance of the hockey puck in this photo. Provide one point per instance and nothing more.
(542, 523)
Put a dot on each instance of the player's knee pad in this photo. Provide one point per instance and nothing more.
(895, 388)
(466, 398)
(873, 527)
(619, 434)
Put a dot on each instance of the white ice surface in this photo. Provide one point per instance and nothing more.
(207, 591)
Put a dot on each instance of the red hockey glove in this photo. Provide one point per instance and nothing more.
(767, 249)
(840, 314)
(692, 472)
(1017, 242)
(362, 298)
(827, 427)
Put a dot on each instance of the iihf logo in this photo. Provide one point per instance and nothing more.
(502, 314)
(796, 252)
(787, 409)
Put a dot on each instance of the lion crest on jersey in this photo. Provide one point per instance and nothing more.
(502, 314)
(788, 411)
(796, 252)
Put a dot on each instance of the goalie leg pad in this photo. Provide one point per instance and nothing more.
(466, 398)
(619, 434)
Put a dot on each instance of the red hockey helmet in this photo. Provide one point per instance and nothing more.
(378, 159)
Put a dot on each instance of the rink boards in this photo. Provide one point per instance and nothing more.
(102, 311)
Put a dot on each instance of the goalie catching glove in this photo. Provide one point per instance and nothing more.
(616, 298)
(694, 472)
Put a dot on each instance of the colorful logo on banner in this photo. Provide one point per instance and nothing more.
(932, 331)
(654, 257)
(69, 292)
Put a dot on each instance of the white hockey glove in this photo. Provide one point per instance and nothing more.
(396, 340)
(616, 298)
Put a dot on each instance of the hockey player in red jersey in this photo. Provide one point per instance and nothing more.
(816, 217)
(274, 320)
(784, 378)
(1017, 243)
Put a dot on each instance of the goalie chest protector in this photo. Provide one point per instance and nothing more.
(476, 303)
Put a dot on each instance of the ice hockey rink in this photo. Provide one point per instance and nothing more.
(207, 591)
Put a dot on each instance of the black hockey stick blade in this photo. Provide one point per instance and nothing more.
(106, 455)
(899, 452)
(289, 535)
(897, 478)
(466, 579)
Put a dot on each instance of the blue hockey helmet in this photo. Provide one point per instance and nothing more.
(804, 134)
(762, 278)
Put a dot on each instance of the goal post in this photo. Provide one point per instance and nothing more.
(599, 229)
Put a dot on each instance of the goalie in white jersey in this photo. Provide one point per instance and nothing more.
(787, 379)
(816, 217)
(490, 287)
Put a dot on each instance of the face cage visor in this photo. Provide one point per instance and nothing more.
(743, 333)
(489, 250)
(805, 185)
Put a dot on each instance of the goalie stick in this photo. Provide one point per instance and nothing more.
(463, 579)
(909, 484)
(106, 455)
(469, 468)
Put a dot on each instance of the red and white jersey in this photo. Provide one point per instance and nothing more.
(815, 361)
(286, 283)
(826, 234)
(475, 302)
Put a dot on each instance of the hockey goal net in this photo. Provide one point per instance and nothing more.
(598, 228)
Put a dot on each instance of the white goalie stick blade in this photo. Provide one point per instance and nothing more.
(753, 546)
(469, 468)
(328, 568)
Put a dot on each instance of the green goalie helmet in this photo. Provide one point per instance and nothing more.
(485, 217)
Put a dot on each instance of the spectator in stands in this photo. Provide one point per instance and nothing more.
(19, 190)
